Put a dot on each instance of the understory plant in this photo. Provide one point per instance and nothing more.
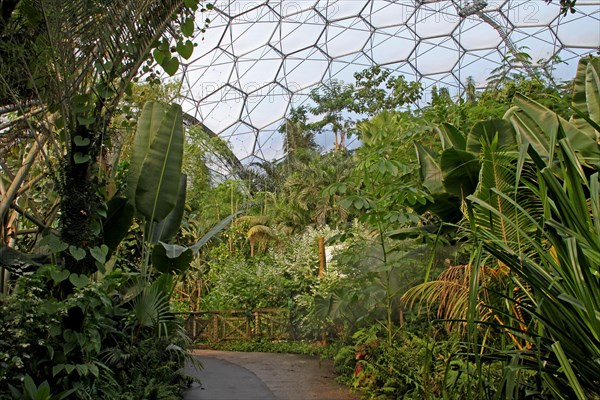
(423, 365)
(552, 248)
(527, 297)
(90, 344)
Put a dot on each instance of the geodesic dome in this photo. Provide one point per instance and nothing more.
(259, 58)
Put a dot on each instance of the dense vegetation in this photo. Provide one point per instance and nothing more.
(78, 319)
(462, 237)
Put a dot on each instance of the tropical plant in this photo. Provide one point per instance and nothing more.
(553, 248)
(304, 199)
(84, 58)
(331, 100)
(531, 275)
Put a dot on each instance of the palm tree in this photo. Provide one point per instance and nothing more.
(305, 188)
(259, 232)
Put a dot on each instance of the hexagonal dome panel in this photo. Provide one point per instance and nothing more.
(259, 58)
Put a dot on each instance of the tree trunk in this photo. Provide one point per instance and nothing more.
(80, 204)
(322, 261)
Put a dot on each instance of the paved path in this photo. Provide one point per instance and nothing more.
(264, 376)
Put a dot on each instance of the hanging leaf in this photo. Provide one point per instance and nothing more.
(185, 49)
(117, 222)
(187, 27)
(169, 258)
(158, 55)
(79, 281)
(81, 158)
(158, 185)
(81, 142)
(168, 227)
(77, 253)
(148, 124)
(59, 276)
(99, 253)
(170, 65)
(460, 171)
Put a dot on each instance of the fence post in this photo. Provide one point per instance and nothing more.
(256, 324)
(215, 327)
(194, 327)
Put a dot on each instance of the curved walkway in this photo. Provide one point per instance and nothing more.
(229, 375)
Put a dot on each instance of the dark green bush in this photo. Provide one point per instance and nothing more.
(85, 344)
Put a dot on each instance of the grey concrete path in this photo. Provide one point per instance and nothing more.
(265, 376)
(222, 380)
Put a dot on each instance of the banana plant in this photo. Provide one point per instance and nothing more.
(536, 124)
(454, 174)
(156, 187)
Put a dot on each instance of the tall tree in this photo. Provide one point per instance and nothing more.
(331, 100)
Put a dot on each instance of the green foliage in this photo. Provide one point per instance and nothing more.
(85, 335)
(305, 198)
(411, 367)
(156, 161)
(455, 173)
(290, 347)
(87, 345)
(531, 276)
(272, 279)
(371, 99)
(557, 262)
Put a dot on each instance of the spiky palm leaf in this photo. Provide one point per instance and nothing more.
(151, 310)
(564, 282)
(260, 234)
(449, 294)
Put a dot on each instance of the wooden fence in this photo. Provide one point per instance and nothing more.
(270, 323)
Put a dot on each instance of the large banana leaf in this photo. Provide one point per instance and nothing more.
(148, 125)
(460, 170)
(451, 137)
(117, 222)
(585, 94)
(485, 131)
(158, 184)
(592, 90)
(528, 131)
(166, 229)
(429, 169)
(169, 258)
(541, 120)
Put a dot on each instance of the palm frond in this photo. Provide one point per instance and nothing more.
(561, 271)
(152, 310)
(449, 296)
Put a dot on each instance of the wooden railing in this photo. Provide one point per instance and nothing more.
(270, 323)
